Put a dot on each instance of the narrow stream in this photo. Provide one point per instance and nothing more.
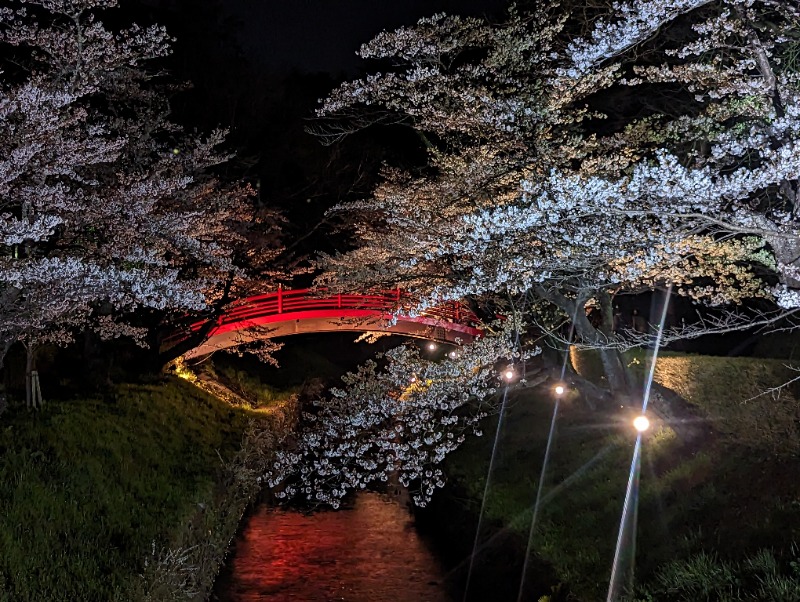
(368, 553)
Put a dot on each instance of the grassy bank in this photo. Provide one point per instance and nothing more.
(727, 496)
(102, 499)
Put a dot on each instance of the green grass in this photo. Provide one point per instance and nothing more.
(729, 495)
(89, 487)
(759, 576)
(728, 390)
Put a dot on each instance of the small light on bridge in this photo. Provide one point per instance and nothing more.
(641, 423)
(559, 389)
(431, 346)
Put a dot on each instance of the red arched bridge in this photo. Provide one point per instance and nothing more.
(288, 312)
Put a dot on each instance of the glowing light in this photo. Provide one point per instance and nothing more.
(509, 374)
(176, 151)
(559, 390)
(413, 378)
(183, 371)
(431, 346)
(452, 355)
(641, 423)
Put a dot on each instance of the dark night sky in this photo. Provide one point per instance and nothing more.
(323, 35)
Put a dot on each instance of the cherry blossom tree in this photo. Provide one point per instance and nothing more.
(106, 207)
(398, 421)
(531, 189)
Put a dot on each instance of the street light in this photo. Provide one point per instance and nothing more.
(509, 374)
(641, 423)
(559, 389)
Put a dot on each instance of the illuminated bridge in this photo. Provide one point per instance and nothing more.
(288, 312)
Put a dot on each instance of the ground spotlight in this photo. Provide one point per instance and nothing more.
(559, 389)
(641, 423)
(509, 374)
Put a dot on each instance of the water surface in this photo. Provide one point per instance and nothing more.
(368, 553)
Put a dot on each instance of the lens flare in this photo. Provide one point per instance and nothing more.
(486, 492)
(625, 551)
(543, 474)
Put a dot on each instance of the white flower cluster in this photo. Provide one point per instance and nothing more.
(787, 298)
(398, 422)
(635, 22)
(429, 85)
(95, 208)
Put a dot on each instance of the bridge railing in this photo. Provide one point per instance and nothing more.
(288, 301)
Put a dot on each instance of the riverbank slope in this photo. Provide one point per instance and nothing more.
(134, 496)
(705, 508)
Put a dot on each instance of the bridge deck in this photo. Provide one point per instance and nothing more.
(288, 312)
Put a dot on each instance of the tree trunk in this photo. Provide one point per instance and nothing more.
(613, 366)
(680, 415)
(616, 373)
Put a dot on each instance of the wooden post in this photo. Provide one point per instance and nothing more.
(36, 390)
(29, 375)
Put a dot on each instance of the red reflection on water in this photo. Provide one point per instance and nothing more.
(370, 553)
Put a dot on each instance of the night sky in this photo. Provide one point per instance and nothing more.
(323, 35)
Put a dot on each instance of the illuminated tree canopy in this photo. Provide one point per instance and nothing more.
(536, 186)
(106, 206)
